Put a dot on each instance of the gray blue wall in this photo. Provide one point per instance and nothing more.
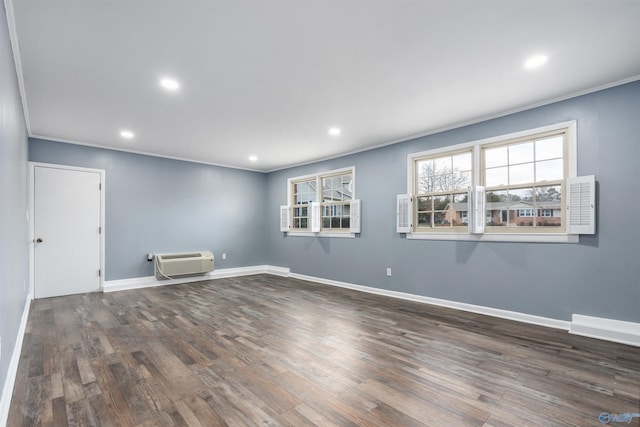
(13, 203)
(161, 205)
(600, 276)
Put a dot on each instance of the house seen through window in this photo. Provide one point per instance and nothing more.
(322, 202)
(524, 182)
(523, 177)
(441, 184)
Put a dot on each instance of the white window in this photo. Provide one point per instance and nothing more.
(322, 203)
(303, 193)
(524, 175)
(337, 193)
(440, 189)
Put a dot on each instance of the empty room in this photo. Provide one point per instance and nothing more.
(329, 213)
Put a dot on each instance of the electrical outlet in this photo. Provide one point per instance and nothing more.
(388, 272)
(224, 256)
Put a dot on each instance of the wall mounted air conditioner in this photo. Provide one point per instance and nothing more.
(169, 266)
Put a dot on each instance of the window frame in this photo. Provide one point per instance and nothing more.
(318, 176)
(307, 205)
(477, 146)
(450, 228)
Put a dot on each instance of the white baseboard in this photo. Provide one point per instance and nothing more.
(495, 312)
(152, 281)
(277, 271)
(594, 327)
(606, 329)
(247, 271)
(9, 382)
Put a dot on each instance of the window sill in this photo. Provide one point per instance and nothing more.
(309, 234)
(494, 237)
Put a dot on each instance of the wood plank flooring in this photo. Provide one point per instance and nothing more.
(269, 351)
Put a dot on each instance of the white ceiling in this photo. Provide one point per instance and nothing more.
(269, 78)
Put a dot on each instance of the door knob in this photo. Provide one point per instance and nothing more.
(38, 240)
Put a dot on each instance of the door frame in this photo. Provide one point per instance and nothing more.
(31, 218)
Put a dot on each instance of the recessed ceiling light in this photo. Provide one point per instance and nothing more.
(334, 131)
(253, 158)
(536, 61)
(126, 134)
(169, 84)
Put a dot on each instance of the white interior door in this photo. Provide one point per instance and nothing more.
(67, 245)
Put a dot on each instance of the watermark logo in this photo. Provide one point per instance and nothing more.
(606, 418)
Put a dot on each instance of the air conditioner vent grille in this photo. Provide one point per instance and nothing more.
(180, 256)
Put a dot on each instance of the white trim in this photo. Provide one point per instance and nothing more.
(433, 152)
(572, 140)
(141, 152)
(320, 234)
(15, 47)
(152, 281)
(606, 329)
(12, 372)
(315, 217)
(498, 237)
(248, 271)
(476, 222)
(133, 283)
(277, 271)
(489, 311)
(31, 238)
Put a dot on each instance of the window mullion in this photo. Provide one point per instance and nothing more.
(433, 213)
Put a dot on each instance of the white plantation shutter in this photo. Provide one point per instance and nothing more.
(476, 199)
(354, 216)
(404, 210)
(315, 216)
(284, 218)
(581, 205)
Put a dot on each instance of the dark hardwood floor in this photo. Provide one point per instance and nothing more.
(268, 351)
